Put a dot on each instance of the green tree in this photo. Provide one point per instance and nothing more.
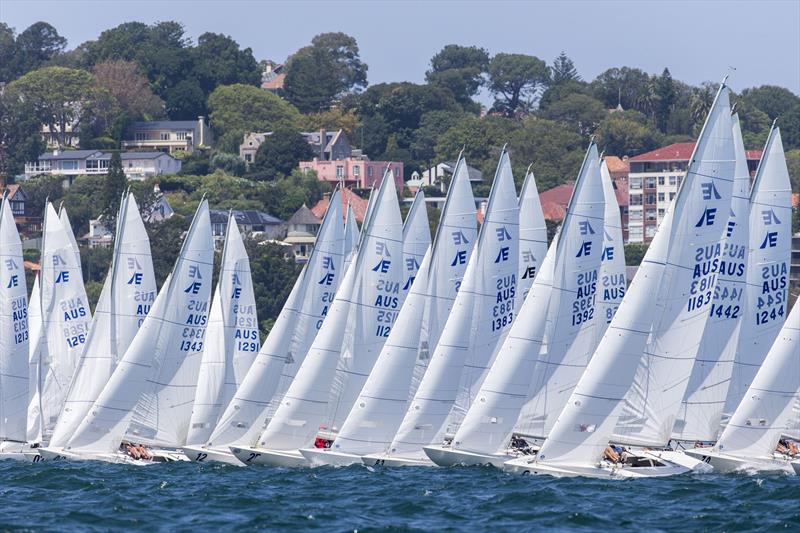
(625, 86)
(218, 60)
(701, 100)
(243, 108)
(772, 100)
(459, 69)
(432, 125)
(347, 64)
(580, 112)
(555, 149)
(20, 137)
(8, 52)
(113, 188)
(280, 153)
(515, 80)
(56, 96)
(481, 138)
(39, 43)
(665, 92)
(622, 136)
(634, 253)
(563, 70)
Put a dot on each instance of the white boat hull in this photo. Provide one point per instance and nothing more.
(380, 459)
(200, 454)
(159, 456)
(443, 455)
(262, 456)
(725, 463)
(16, 451)
(603, 470)
(326, 456)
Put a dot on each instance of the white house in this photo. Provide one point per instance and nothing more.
(73, 163)
(436, 174)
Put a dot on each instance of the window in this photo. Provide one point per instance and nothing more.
(339, 171)
(661, 213)
(673, 180)
(69, 165)
(181, 136)
(369, 171)
(636, 183)
(662, 197)
(140, 136)
(650, 199)
(635, 234)
(636, 199)
(661, 180)
(633, 216)
(650, 183)
(650, 231)
(164, 135)
(92, 164)
(356, 171)
(650, 215)
(249, 159)
(671, 196)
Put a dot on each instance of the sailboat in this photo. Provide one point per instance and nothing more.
(149, 396)
(481, 317)
(381, 404)
(749, 440)
(652, 339)
(564, 296)
(348, 343)
(285, 348)
(14, 339)
(232, 340)
(532, 235)
(33, 426)
(701, 411)
(65, 322)
(128, 292)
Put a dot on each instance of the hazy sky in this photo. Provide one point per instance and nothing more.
(698, 41)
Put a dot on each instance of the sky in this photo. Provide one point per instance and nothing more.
(756, 42)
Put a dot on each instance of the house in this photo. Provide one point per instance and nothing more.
(273, 77)
(253, 223)
(439, 175)
(28, 223)
(100, 235)
(73, 163)
(354, 171)
(653, 182)
(301, 233)
(327, 146)
(349, 199)
(169, 136)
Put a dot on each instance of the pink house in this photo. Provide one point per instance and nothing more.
(354, 171)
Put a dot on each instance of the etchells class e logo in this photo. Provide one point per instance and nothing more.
(585, 228)
(709, 192)
(194, 287)
(382, 249)
(461, 255)
(502, 235)
(327, 264)
(13, 280)
(136, 276)
(771, 238)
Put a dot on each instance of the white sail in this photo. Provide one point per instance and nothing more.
(34, 420)
(766, 412)
(159, 369)
(564, 298)
(62, 215)
(379, 409)
(128, 292)
(482, 315)
(416, 239)
(65, 316)
(571, 314)
(701, 411)
(659, 299)
(613, 276)
(232, 338)
(767, 267)
(351, 233)
(351, 337)
(14, 332)
(291, 336)
(532, 235)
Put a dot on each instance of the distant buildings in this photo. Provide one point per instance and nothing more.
(28, 223)
(169, 136)
(439, 176)
(253, 223)
(349, 199)
(73, 163)
(327, 145)
(301, 233)
(653, 181)
(273, 77)
(354, 171)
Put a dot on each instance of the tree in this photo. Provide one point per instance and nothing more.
(432, 125)
(634, 253)
(582, 113)
(459, 69)
(319, 74)
(20, 136)
(481, 138)
(113, 188)
(665, 92)
(622, 136)
(56, 96)
(514, 80)
(563, 70)
(555, 150)
(218, 60)
(126, 83)
(186, 100)
(625, 86)
(772, 100)
(8, 52)
(280, 153)
(243, 108)
(38, 44)
(701, 100)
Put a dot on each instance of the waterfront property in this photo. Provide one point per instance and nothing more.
(73, 163)
(169, 136)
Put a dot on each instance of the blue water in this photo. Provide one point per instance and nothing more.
(189, 496)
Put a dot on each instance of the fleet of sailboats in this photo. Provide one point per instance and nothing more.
(481, 346)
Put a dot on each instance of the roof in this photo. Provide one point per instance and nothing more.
(615, 164)
(68, 154)
(554, 201)
(276, 82)
(679, 152)
(474, 173)
(304, 215)
(165, 125)
(358, 204)
(142, 155)
(249, 218)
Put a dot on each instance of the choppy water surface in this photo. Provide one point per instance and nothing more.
(188, 496)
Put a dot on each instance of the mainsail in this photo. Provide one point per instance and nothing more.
(159, 369)
(14, 332)
(532, 235)
(128, 292)
(232, 338)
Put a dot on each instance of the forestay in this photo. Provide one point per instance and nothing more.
(379, 408)
(586, 424)
(291, 336)
(128, 292)
(701, 411)
(361, 318)
(766, 412)
(767, 267)
(571, 315)
(14, 332)
(481, 316)
(160, 367)
(65, 316)
(232, 337)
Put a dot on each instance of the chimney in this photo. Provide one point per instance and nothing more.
(322, 135)
(201, 122)
(55, 152)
